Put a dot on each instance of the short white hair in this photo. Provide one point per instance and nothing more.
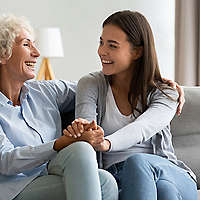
(10, 28)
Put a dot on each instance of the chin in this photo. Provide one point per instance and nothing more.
(107, 72)
(30, 76)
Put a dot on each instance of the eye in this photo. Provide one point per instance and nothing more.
(26, 44)
(100, 42)
(112, 46)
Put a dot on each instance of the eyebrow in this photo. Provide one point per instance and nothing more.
(111, 41)
(27, 40)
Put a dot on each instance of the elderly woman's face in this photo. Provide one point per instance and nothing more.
(21, 64)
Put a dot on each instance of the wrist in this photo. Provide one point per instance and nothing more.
(62, 142)
(107, 144)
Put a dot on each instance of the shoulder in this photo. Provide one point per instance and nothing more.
(50, 85)
(93, 79)
(92, 86)
(59, 92)
(165, 93)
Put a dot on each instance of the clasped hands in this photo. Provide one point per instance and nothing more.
(83, 130)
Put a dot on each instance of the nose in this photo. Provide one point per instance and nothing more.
(35, 52)
(102, 50)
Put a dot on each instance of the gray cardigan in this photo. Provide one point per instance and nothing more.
(153, 124)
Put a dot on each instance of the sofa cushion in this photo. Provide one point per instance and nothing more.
(189, 120)
(186, 131)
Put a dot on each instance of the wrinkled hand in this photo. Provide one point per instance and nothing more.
(93, 136)
(83, 130)
(96, 139)
(180, 92)
(78, 126)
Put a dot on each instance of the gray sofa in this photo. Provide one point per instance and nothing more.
(186, 132)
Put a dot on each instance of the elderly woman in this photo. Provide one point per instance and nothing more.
(30, 130)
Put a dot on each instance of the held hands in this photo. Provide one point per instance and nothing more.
(82, 130)
(180, 92)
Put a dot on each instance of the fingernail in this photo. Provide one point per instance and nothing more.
(70, 135)
(79, 135)
(75, 136)
(81, 131)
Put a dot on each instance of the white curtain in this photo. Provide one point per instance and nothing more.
(187, 42)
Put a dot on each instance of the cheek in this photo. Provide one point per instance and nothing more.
(98, 51)
(128, 57)
(13, 61)
(17, 58)
(124, 59)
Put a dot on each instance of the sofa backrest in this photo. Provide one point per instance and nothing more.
(186, 131)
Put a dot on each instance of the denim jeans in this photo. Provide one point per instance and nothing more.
(72, 175)
(151, 177)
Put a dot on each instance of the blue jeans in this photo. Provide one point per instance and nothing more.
(72, 175)
(151, 177)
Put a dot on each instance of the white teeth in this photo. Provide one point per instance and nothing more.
(106, 61)
(30, 64)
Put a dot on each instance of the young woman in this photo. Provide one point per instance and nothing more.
(31, 134)
(133, 108)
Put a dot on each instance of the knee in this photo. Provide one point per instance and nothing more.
(82, 147)
(81, 150)
(167, 190)
(108, 185)
(75, 156)
(136, 161)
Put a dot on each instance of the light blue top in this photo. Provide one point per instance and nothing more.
(28, 132)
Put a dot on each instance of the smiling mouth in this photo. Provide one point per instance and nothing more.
(107, 62)
(30, 65)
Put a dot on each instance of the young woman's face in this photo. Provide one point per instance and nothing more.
(21, 64)
(115, 51)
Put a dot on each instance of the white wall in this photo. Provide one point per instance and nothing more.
(80, 23)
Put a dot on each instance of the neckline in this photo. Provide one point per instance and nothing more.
(115, 105)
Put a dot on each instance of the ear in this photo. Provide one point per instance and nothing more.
(3, 61)
(137, 52)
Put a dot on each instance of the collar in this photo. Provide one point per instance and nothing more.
(4, 100)
(24, 92)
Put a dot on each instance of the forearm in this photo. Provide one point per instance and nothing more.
(21, 159)
(63, 142)
(142, 129)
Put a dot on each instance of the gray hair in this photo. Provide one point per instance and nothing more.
(10, 28)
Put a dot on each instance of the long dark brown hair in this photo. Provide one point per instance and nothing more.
(146, 75)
